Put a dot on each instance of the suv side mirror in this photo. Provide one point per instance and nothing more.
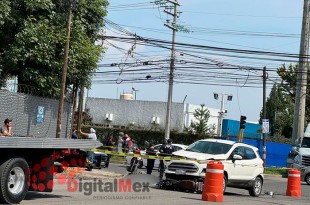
(236, 157)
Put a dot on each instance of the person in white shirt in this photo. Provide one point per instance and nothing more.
(91, 135)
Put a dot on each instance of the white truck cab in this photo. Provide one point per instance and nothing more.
(299, 156)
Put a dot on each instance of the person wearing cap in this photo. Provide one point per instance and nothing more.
(7, 128)
(91, 135)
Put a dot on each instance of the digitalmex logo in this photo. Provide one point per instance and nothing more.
(41, 175)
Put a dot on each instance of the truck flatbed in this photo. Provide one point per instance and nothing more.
(47, 143)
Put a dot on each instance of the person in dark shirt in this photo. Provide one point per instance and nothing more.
(109, 146)
(74, 134)
(150, 162)
(165, 149)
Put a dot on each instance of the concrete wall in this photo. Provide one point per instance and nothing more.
(23, 110)
(114, 112)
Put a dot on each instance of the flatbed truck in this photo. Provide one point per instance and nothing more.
(27, 164)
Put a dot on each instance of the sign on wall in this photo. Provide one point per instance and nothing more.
(40, 114)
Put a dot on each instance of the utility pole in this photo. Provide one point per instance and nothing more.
(171, 75)
(264, 113)
(80, 110)
(75, 90)
(64, 72)
(301, 84)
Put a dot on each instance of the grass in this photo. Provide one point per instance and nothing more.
(277, 171)
(117, 159)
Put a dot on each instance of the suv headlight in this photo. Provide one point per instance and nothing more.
(203, 161)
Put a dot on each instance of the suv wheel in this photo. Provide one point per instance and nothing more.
(224, 183)
(307, 179)
(257, 187)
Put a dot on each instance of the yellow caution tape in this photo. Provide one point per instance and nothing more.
(123, 154)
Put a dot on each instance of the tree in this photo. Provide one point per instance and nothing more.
(280, 103)
(32, 39)
(289, 77)
(200, 127)
(280, 112)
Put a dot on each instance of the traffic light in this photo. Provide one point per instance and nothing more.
(242, 122)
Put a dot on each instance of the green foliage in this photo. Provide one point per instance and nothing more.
(33, 36)
(142, 137)
(289, 77)
(280, 112)
(200, 127)
(280, 103)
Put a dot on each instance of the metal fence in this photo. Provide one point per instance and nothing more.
(33, 116)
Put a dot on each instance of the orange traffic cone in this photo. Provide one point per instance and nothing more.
(293, 183)
(213, 184)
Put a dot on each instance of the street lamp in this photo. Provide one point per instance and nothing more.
(222, 111)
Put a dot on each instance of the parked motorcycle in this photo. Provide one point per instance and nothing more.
(135, 163)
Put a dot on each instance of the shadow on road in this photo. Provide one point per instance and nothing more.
(38, 195)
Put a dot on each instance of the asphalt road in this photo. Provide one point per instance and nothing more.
(155, 196)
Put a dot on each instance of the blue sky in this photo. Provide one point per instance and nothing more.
(256, 25)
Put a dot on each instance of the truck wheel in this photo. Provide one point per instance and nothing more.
(257, 187)
(307, 179)
(14, 175)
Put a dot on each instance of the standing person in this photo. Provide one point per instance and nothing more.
(126, 141)
(109, 146)
(165, 149)
(7, 128)
(150, 162)
(91, 135)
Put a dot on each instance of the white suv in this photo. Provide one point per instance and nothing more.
(243, 167)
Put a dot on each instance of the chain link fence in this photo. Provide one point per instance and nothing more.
(33, 116)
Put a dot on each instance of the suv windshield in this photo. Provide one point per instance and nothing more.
(209, 147)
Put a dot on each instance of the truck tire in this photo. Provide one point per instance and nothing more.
(257, 187)
(307, 179)
(14, 178)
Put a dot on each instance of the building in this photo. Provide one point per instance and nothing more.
(231, 128)
(126, 112)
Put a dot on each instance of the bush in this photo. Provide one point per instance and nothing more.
(143, 137)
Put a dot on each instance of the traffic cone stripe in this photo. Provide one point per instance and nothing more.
(215, 171)
(294, 175)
